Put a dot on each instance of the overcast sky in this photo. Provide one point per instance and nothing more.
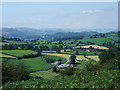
(60, 14)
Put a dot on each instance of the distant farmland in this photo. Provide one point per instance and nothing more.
(18, 52)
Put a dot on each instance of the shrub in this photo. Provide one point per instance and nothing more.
(19, 58)
(67, 71)
(72, 59)
(92, 67)
(54, 69)
(106, 55)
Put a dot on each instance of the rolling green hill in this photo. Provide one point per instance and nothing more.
(101, 40)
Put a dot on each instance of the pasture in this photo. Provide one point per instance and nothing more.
(67, 56)
(97, 41)
(18, 52)
(45, 74)
(94, 57)
(7, 56)
(33, 64)
(55, 57)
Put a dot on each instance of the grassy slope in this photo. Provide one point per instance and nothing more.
(18, 52)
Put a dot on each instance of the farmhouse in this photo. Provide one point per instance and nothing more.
(57, 63)
(61, 66)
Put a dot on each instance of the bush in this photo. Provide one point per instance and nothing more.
(92, 67)
(14, 72)
(67, 71)
(106, 55)
(19, 58)
(72, 59)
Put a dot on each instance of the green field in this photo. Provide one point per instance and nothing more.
(7, 56)
(2, 43)
(33, 64)
(15, 42)
(101, 40)
(45, 74)
(18, 52)
(64, 60)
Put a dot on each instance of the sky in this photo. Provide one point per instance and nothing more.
(72, 15)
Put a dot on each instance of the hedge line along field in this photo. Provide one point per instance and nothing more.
(64, 60)
(18, 52)
(8, 56)
(33, 64)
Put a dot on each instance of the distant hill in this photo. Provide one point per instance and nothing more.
(72, 35)
(28, 33)
(19, 33)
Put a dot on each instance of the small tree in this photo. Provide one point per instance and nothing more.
(60, 60)
(72, 59)
(67, 71)
(54, 69)
(76, 52)
(19, 58)
(39, 52)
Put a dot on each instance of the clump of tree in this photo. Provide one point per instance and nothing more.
(14, 72)
(106, 55)
(57, 48)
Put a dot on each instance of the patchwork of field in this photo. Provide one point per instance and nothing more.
(18, 52)
(94, 46)
(94, 57)
(67, 56)
(60, 55)
(99, 41)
